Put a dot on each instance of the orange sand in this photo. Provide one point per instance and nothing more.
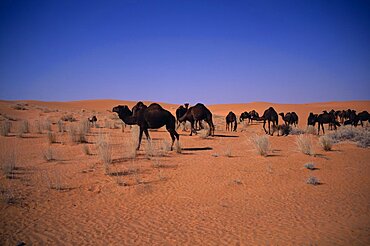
(199, 197)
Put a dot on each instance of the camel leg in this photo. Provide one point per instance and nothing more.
(264, 126)
(147, 134)
(140, 136)
(191, 128)
(269, 127)
(227, 126)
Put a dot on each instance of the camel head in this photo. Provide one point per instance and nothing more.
(282, 114)
(122, 110)
(186, 105)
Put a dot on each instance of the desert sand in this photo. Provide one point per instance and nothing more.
(217, 191)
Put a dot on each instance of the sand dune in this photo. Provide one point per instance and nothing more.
(218, 191)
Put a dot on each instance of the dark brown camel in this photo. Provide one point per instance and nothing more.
(198, 112)
(363, 116)
(152, 117)
(92, 120)
(243, 116)
(326, 118)
(180, 112)
(230, 120)
(287, 118)
(312, 119)
(270, 115)
(253, 116)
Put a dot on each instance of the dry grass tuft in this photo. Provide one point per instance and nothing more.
(61, 126)
(8, 162)
(5, 128)
(311, 166)
(78, 134)
(38, 127)
(311, 130)
(203, 133)
(23, 128)
(360, 135)
(86, 149)
(304, 144)
(178, 147)
(326, 142)
(48, 154)
(313, 181)
(104, 149)
(51, 137)
(261, 144)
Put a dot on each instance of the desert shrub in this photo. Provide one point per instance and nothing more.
(25, 127)
(20, 106)
(296, 131)
(310, 166)
(86, 149)
(47, 125)
(261, 144)
(203, 133)
(8, 163)
(48, 154)
(360, 135)
(228, 152)
(78, 134)
(68, 117)
(313, 181)
(311, 130)
(54, 180)
(304, 144)
(326, 142)
(5, 128)
(104, 149)
(51, 137)
(61, 127)
(38, 126)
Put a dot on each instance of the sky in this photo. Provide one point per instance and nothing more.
(180, 51)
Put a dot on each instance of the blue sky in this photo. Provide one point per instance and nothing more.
(185, 51)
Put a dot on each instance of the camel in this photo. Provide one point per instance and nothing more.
(243, 116)
(254, 116)
(270, 115)
(230, 120)
(326, 118)
(92, 120)
(152, 117)
(312, 119)
(287, 118)
(363, 116)
(180, 111)
(294, 118)
(198, 112)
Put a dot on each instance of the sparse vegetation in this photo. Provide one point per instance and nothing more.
(68, 117)
(304, 144)
(38, 127)
(178, 147)
(310, 166)
(313, 181)
(261, 144)
(360, 135)
(20, 106)
(86, 149)
(8, 162)
(54, 180)
(5, 128)
(311, 130)
(326, 142)
(48, 154)
(47, 125)
(297, 131)
(51, 137)
(78, 134)
(228, 151)
(61, 127)
(23, 128)
(104, 149)
(203, 133)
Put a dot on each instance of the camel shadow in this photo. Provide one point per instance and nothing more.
(225, 136)
(197, 149)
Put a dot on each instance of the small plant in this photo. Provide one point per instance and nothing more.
(326, 142)
(86, 149)
(5, 128)
(68, 117)
(47, 125)
(360, 135)
(20, 106)
(313, 181)
(54, 181)
(178, 147)
(38, 127)
(261, 144)
(78, 134)
(105, 152)
(311, 130)
(8, 163)
(61, 127)
(228, 151)
(8, 195)
(48, 154)
(304, 144)
(23, 128)
(310, 166)
(203, 133)
(297, 131)
(51, 137)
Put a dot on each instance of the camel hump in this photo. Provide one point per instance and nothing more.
(155, 106)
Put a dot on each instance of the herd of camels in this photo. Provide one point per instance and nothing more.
(154, 116)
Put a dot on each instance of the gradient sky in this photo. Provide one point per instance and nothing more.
(185, 51)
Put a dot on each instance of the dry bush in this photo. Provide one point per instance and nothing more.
(61, 126)
(86, 149)
(8, 162)
(5, 128)
(360, 135)
(48, 154)
(178, 147)
(203, 133)
(326, 142)
(8, 194)
(78, 134)
(54, 180)
(133, 142)
(104, 149)
(20, 106)
(38, 126)
(68, 117)
(47, 125)
(228, 152)
(23, 128)
(304, 144)
(297, 131)
(313, 181)
(311, 130)
(51, 137)
(261, 144)
(311, 166)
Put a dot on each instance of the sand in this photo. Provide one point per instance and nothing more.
(218, 191)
